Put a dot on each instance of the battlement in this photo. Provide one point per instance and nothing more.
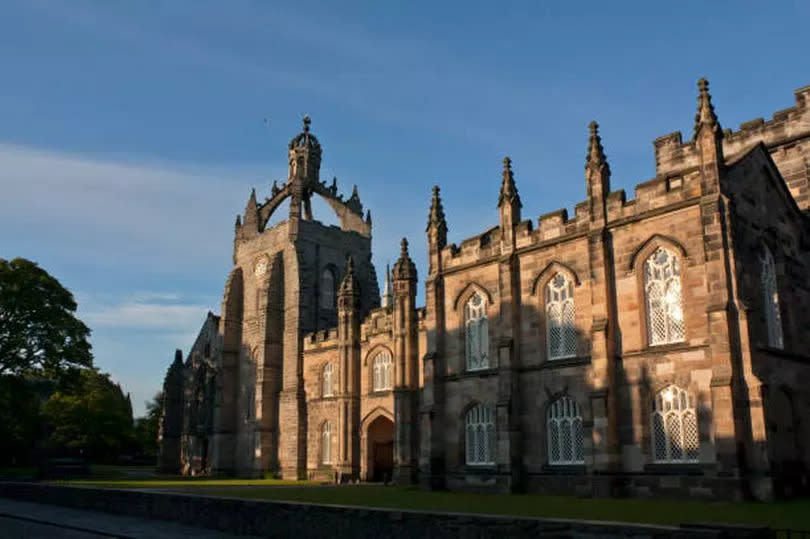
(655, 194)
(318, 340)
(785, 127)
(484, 245)
(377, 322)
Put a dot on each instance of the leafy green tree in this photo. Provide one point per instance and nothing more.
(20, 425)
(40, 334)
(95, 421)
(146, 428)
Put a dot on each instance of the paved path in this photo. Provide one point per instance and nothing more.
(26, 520)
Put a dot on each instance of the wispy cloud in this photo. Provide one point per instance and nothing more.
(156, 217)
(147, 316)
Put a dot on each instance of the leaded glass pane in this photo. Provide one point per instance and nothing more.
(674, 427)
(579, 445)
(560, 317)
(327, 388)
(564, 432)
(770, 295)
(480, 435)
(477, 333)
(662, 286)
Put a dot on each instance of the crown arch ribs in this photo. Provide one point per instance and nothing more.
(351, 218)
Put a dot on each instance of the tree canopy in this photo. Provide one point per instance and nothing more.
(95, 421)
(40, 334)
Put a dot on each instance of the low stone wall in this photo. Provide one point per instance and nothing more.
(303, 521)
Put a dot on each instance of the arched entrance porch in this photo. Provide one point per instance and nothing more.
(378, 447)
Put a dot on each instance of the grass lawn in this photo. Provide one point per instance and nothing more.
(791, 514)
(175, 482)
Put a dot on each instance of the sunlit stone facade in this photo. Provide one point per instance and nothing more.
(652, 346)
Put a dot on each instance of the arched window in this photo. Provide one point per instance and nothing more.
(327, 290)
(770, 299)
(564, 429)
(561, 335)
(382, 371)
(480, 435)
(476, 330)
(327, 388)
(662, 288)
(326, 443)
(674, 426)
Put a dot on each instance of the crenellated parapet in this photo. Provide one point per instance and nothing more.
(786, 136)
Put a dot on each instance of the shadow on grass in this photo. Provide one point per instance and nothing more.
(787, 514)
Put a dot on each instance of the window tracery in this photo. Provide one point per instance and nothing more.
(476, 329)
(561, 336)
(662, 288)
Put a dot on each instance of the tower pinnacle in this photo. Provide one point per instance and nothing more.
(509, 192)
(596, 153)
(705, 113)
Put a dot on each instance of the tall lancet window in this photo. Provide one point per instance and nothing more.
(561, 335)
(476, 331)
(674, 426)
(564, 430)
(770, 298)
(327, 387)
(662, 287)
(480, 435)
(382, 371)
(326, 443)
(328, 290)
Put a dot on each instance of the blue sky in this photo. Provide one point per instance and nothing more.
(131, 133)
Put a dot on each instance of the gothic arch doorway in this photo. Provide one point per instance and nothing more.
(380, 449)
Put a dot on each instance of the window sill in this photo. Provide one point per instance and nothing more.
(655, 349)
(478, 373)
(564, 469)
(487, 468)
(565, 362)
(379, 393)
(677, 468)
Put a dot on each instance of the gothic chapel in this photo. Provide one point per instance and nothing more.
(653, 346)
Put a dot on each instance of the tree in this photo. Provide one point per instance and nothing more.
(94, 421)
(40, 334)
(20, 425)
(146, 428)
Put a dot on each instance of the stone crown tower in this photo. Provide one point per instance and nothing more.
(284, 284)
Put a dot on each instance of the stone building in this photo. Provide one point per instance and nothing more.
(657, 345)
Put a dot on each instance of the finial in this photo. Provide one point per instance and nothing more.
(509, 190)
(705, 113)
(349, 264)
(238, 220)
(596, 153)
(307, 121)
(403, 248)
(386, 297)
(354, 192)
(436, 215)
(368, 216)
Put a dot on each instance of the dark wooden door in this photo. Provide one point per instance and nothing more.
(383, 461)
